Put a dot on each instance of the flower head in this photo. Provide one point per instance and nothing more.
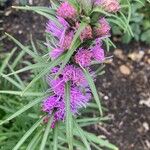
(108, 5)
(50, 103)
(98, 51)
(57, 85)
(74, 74)
(86, 33)
(67, 11)
(55, 29)
(56, 52)
(83, 57)
(103, 29)
(66, 40)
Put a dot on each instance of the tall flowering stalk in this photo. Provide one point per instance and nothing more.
(69, 19)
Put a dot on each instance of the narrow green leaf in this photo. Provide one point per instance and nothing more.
(93, 89)
(17, 59)
(44, 71)
(20, 93)
(4, 64)
(23, 109)
(27, 134)
(100, 141)
(12, 81)
(55, 140)
(33, 141)
(27, 68)
(46, 133)
(69, 125)
(27, 50)
(82, 136)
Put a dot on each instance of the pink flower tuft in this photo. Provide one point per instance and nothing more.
(83, 57)
(86, 33)
(66, 41)
(56, 52)
(74, 74)
(67, 11)
(103, 29)
(109, 5)
(57, 85)
(98, 52)
(50, 103)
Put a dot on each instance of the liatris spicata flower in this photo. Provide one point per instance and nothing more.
(62, 34)
(75, 75)
(86, 33)
(56, 52)
(103, 29)
(94, 32)
(57, 30)
(79, 92)
(108, 5)
(66, 40)
(98, 51)
(67, 11)
(83, 57)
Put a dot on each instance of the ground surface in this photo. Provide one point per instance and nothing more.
(125, 86)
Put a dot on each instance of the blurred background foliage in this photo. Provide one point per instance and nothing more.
(139, 22)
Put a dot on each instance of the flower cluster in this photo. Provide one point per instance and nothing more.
(79, 92)
(90, 49)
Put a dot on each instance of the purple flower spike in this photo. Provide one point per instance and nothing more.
(83, 57)
(50, 103)
(56, 52)
(103, 29)
(98, 52)
(66, 40)
(74, 74)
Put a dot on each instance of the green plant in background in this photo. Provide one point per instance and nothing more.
(139, 22)
(23, 125)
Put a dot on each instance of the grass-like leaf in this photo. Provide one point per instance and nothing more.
(27, 50)
(55, 139)
(27, 134)
(82, 136)
(46, 133)
(20, 93)
(33, 141)
(44, 71)
(93, 89)
(4, 64)
(23, 109)
(99, 141)
(69, 124)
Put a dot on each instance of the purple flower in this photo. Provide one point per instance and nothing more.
(56, 52)
(57, 85)
(108, 5)
(55, 105)
(86, 33)
(67, 11)
(78, 99)
(74, 74)
(57, 30)
(83, 57)
(98, 51)
(103, 29)
(50, 103)
(65, 42)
